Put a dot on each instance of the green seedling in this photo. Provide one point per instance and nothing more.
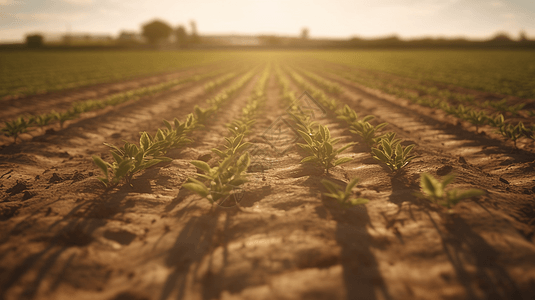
(62, 117)
(174, 135)
(238, 127)
(343, 196)
(320, 147)
(43, 120)
(220, 181)
(392, 153)
(233, 146)
(129, 160)
(476, 117)
(497, 121)
(15, 128)
(303, 121)
(512, 132)
(369, 133)
(460, 111)
(347, 114)
(434, 190)
(202, 115)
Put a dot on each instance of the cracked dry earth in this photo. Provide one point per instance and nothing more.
(63, 236)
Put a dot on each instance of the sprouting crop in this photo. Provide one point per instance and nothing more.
(233, 146)
(476, 117)
(320, 147)
(512, 132)
(435, 191)
(15, 128)
(43, 120)
(130, 159)
(392, 153)
(368, 132)
(343, 196)
(219, 181)
(64, 116)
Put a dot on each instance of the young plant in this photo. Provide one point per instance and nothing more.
(347, 114)
(391, 153)
(129, 160)
(320, 147)
(497, 121)
(512, 132)
(15, 128)
(43, 120)
(476, 117)
(174, 135)
(369, 133)
(202, 115)
(343, 196)
(220, 181)
(233, 146)
(237, 127)
(434, 190)
(64, 116)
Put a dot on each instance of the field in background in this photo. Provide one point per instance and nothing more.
(223, 179)
(26, 73)
(501, 71)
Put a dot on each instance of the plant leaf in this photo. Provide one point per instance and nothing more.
(342, 160)
(101, 164)
(200, 189)
(201, 165)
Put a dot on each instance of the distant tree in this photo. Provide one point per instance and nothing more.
(523, 37)
(501, 37)
(304, 33)
(195, 39)
(156, 31)
(181, 36)
(34, 40)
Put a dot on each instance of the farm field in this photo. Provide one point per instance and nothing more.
(249, 189)
(34, 72)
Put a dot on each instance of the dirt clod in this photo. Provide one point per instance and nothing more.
(55, 178)
(18, 188)
(28, 194)
(444, 170)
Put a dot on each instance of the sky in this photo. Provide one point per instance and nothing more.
(475, 19)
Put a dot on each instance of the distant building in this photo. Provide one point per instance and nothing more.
(130, 36)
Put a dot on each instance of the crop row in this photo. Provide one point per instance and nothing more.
(384, 148)
(216, 183)
(132, 158)
(501, 72)
(23, 124)
(28, 72)
(477, 117)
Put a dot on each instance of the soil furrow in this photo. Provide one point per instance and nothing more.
(408, 228)
(85, 215)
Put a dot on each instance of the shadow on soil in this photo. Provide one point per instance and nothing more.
(362, 277)
(466, 250)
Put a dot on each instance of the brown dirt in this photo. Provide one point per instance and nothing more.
(63, 236)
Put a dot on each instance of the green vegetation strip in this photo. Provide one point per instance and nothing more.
(384, 148)
(132, 158)
(491, 115)
(22, 124)
(217, 183)
(31, 72)
(508, 72)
